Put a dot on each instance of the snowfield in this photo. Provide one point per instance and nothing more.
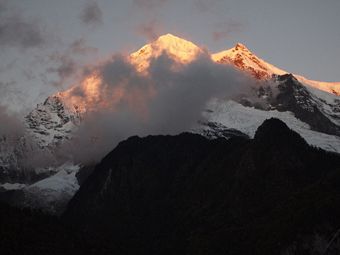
(52, 193)
(248, 119)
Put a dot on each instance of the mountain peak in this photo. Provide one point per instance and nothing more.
(245, 60)
(170, 41)
(168, 36)
(240, 46)
(178, 49)
(242, 58)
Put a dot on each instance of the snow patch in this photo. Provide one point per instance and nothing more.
(13, 186)
(52, 193)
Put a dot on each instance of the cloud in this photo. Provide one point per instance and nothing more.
(11, 127)
(68, 63)
(80, 47)
(151, 24)
(226, 29)
(3, 6)
(149, 4)
(18, 31)
(91, 15)
(223, 27)
(66, 67)
(150, 29)
(15, 141)
(206, 5)
(168, 100)
(11, 94)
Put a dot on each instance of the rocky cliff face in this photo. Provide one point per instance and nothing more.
(30, 173)
(52, 121)
(286, 94)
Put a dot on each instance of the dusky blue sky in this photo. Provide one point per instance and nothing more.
(300, 36)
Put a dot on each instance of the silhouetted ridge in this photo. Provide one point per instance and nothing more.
(189, 195)
(283, 156)
(287, 77)
(186, 194)
(274, 132)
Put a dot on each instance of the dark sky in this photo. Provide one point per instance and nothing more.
(43, 42)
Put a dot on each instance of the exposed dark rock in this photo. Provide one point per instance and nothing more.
(285, 93)
(189, 195)
(213, 130)
(296, 98)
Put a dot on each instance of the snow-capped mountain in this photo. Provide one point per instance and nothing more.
(177, 48)
(50, 194)
(231, 115)
(51, 122)
(50, 186)
(241, 57)
(46, 126)
(286, 93)
(311, 108)
(314, 103)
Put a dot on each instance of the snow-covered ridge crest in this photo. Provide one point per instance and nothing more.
(330, 87)
(177, 48)
(241, 57)
(184, 51)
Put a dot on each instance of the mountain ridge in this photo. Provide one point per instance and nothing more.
(256, 66)
(53, 121)
(315, 114)
(225, 196)
(245, 60)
